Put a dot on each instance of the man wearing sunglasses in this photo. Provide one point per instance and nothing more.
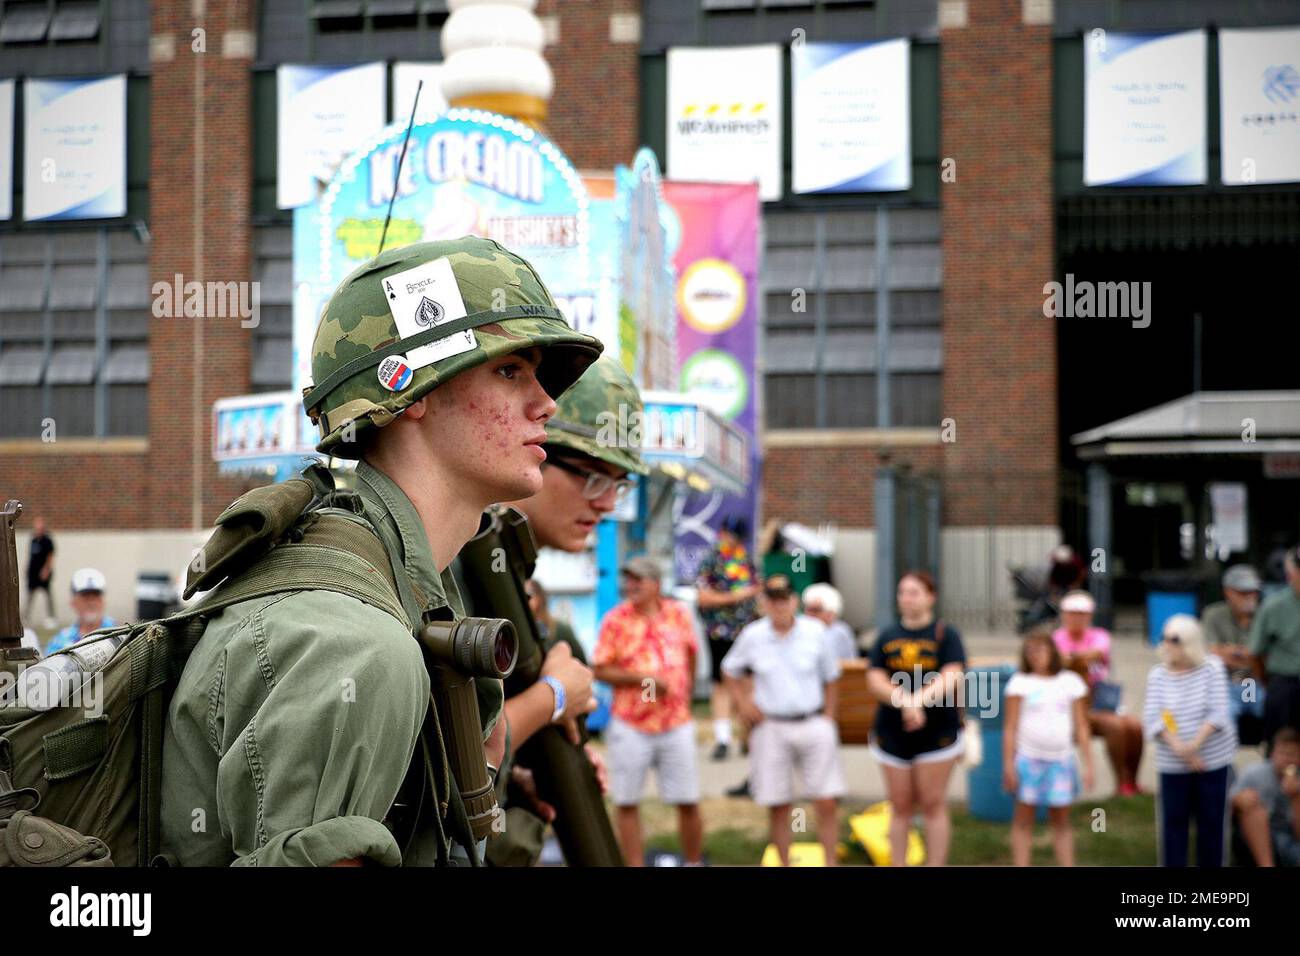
(585, 475)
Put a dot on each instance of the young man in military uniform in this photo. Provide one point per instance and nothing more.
(588, 461)
(298, 715)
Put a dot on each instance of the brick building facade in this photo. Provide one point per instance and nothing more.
(996, 93)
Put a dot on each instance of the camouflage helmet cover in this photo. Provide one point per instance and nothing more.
(599, 415)
(509, 309)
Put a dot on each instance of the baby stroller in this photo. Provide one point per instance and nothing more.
(1034, 600)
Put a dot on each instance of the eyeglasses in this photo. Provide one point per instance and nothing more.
(598, 483)
(1171, 639)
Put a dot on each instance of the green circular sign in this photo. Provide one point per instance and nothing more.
(718, 380)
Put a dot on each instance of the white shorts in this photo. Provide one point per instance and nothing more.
(778, 747)
(672, 754)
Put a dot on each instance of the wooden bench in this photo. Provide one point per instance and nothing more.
(855, 709)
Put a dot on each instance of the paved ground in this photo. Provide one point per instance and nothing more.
(1132, 658)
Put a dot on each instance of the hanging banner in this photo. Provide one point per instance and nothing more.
(724, 116)
(6, 149)
(714, 235)
(406, 77)
(851, 117)
(468, 173)
(647, 317)
(1259, 105)
(74, 148)
(324, 113)
(1144, 109)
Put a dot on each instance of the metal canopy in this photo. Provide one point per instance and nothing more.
(1203, 423)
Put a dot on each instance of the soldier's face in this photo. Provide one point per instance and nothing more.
(488, 426)
(560, 515)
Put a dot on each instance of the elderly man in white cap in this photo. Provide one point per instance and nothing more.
(1085, 649)
(1226, 625)
(88, 604)
(826, 604)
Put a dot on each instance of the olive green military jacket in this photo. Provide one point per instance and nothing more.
(297, 717)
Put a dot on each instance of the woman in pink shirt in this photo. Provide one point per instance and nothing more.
(1086, 650)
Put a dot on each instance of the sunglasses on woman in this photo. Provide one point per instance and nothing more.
(598, 483)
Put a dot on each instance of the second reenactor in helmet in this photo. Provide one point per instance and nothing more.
(592, 453)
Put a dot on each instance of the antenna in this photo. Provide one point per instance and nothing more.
(397, 177)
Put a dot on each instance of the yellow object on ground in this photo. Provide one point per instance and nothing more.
(801, 854)
(871, 829)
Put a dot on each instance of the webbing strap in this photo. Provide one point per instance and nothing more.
(306, 567)
(76, 747)
(434, 334)
(153, 713)
(354, 535)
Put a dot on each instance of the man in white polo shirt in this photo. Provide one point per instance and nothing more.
(792, 712)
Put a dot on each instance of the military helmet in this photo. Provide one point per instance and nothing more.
(598, 414)
(368, 367)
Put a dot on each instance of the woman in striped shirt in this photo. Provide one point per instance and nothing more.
(1186, 713)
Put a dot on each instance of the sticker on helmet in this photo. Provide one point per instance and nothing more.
(423, 298)
(395, 373)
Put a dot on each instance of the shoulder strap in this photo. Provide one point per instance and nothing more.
(302, 567)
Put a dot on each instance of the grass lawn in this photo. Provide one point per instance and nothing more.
(736, 834)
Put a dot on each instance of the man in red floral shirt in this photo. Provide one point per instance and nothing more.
(646, 650)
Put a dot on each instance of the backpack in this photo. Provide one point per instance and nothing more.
(96, 781)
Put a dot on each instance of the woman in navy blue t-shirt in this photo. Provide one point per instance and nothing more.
(916, 674)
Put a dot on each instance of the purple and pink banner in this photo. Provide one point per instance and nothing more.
(716, 262)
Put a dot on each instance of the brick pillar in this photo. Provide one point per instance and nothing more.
(593, 111)
(200, 193)
(998, 250)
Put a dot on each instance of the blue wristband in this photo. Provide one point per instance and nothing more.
(560, 700)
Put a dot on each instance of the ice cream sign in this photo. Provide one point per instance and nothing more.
(466, 173)
(511, 167)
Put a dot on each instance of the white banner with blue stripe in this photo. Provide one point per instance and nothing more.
(74, 148)
(6, 148)
(325, 114)
(852, 117)
(1144, 109)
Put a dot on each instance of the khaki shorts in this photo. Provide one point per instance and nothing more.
(672, 755)
(778, 747)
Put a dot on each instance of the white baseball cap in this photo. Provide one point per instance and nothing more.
(1079, 601)
(87, 579)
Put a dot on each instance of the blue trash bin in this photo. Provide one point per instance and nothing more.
(1162, 605)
